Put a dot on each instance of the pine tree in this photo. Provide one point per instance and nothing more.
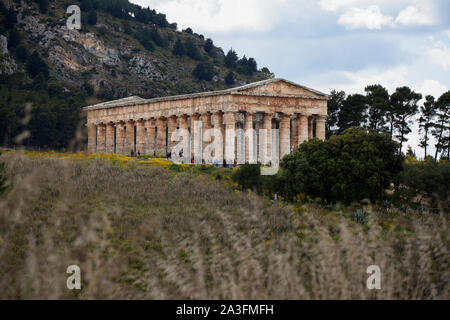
(378, 103)
(404, 101)
(35, 66)
(231, 59)
(92, 18)
(204, 71)
(229, 79)
(209, 45)
(252, 65)
(192, 51)
(178, 48)
(442, 124)
(335, 101)
(10, 18)
(352, 113)
(14, 38)
(43, 6)
(428, 113)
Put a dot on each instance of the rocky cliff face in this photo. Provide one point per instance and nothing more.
(7, 63)
(103, 56)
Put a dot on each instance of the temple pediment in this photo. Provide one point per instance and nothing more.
(279, 87)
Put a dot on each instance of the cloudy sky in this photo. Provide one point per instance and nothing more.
(330, 44)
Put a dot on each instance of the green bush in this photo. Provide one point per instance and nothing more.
(248, 176)
(356, 165)
(429, 179)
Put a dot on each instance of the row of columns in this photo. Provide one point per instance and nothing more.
(241, 135)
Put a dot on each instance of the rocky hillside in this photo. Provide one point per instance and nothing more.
(120, 50)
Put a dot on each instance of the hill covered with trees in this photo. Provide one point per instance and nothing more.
(121, 50)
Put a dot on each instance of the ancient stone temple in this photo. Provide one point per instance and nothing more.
(261, 121)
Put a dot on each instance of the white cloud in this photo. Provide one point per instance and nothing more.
(334, 5)
(370, 18)
(447, 32)
(224, 16)
(431, 87)
(412, 15)
(440, 56)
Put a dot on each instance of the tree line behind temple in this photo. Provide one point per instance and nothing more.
(394, 114)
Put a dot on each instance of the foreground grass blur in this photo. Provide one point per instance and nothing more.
(144, 229)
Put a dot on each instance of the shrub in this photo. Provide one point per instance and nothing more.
(353, 166)
(428, 178)
(248, 176)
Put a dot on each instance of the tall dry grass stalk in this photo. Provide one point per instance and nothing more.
(146, 233)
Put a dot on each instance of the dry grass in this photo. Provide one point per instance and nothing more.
(148, 233)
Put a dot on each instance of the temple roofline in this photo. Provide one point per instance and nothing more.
(135, 100)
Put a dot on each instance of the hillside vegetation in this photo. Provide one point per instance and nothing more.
(121, 50)
(148, 229)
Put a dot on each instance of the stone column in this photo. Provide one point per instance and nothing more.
(310, 127)
(172, 126)
(129, 137)
(320, 127)
(110, 138)
(140, 137)
(120, 138)
(161, 125)
(250, 136)
(302, 129)
(184, 127)
(218, 126)
(196, 129)
(285, 135)
(150, 137)
(230, 136)
(92, 138)
(266, 139)
(101, 136)
(294, 130)
(206, 125)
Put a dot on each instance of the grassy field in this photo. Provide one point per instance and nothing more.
(145, 229)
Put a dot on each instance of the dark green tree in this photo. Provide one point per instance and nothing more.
(335, 101)
(10, 18)
(352, 112)
(252, 65)
(14, 38)
(426, 121)
(86, 5)
(21, 53)
(188, 30)
(229, 79)
(157, 38)
(204, 71)
(231, 59)
(35, 65)
(43, 6)
(92, 18)
(192, 50)
(377, 103)
(442, 125)
(353, 166)
(209, 45)
(178, 48)
(404, 101)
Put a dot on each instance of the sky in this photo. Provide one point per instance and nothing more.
(331, 44)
